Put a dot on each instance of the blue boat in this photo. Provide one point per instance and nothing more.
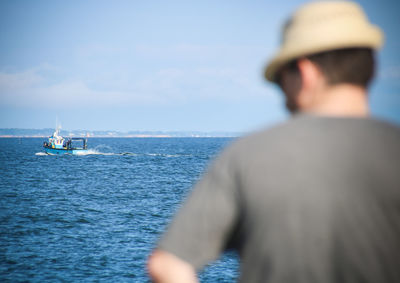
(59, 145)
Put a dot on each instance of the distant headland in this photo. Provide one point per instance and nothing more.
(40, 133)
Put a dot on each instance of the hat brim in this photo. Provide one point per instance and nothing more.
(372, 37)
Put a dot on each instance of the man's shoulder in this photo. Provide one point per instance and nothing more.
(295, 129)
(276, 133)
(313, 123)
(263, 139)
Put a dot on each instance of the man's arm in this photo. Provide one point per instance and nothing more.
(165, 267)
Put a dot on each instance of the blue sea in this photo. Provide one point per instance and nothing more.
(96, 217)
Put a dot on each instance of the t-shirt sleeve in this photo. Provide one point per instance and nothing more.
(201, 229)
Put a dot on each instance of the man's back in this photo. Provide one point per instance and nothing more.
(322, 195)
(317, 198)
(314, 200)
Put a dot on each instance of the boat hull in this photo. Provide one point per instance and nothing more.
(60, 151)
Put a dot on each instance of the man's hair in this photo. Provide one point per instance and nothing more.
(351, 65)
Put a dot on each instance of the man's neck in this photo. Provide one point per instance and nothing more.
(340, 100)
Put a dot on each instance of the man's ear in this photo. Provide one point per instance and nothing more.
(309, 72)
(311, 77)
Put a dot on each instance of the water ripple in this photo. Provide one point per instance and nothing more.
(95, 217)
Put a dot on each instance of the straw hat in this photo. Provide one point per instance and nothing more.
(324, 26)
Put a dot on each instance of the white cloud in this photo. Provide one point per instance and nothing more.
(14, 81)
(392, 72)
(97, 49)
(193, 52)
(30, 89)
(38, 87)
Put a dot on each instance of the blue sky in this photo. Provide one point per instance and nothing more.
(158, 65)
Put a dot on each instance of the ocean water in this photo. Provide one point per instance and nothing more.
(96, 217)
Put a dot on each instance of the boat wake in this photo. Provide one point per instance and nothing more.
(83, 153)
(96, 152)
(106, 150)
(41, 153)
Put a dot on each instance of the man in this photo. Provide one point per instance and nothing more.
(315, 199)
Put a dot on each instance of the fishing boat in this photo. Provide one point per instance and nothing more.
(59, 145)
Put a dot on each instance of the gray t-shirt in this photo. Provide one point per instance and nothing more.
(316, 199)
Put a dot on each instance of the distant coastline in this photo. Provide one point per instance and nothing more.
(43, 133)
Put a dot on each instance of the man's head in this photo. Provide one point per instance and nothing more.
(354, 66)
(324, 44)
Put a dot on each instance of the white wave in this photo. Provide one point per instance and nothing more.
(128, 153)
(103, 148)
(97, 152)
(167, 155)
(41, 153)
(88, 152)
